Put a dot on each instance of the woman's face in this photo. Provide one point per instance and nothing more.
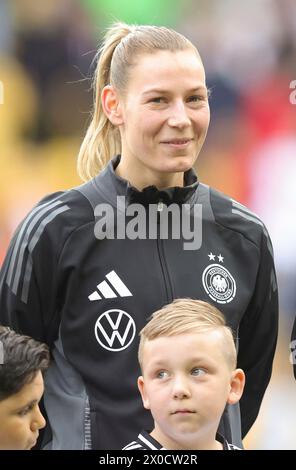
(165, 113)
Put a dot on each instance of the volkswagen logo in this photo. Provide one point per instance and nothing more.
(115, 330)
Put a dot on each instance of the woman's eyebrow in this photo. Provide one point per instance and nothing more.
(159, 90)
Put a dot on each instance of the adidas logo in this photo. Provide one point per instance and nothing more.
(105, 289)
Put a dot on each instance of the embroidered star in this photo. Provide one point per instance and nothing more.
(221, 258)
(212, 257)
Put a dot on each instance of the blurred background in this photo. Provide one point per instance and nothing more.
(249, 52)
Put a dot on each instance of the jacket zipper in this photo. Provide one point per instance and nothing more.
(163, 264)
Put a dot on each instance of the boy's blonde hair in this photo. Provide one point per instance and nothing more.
(122, 45)
(188, 316)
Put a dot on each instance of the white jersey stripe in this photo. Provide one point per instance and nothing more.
(148, 444)
(133, 446)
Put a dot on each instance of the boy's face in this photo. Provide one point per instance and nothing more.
(20, 417)
(186, 384)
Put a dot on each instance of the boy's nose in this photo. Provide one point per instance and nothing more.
(181, 389)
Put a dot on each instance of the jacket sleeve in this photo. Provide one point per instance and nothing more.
(257, 336)
(28, 293)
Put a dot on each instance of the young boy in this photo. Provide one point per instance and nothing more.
(22, 361)
(188, 362)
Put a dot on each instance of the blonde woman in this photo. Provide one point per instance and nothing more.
(88, 266)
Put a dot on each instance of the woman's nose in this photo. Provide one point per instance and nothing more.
(179, 117)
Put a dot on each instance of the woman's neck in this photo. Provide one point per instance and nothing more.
(141, 179)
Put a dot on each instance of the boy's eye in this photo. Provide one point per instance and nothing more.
(162, 374)
(26, 410)
(198, 372)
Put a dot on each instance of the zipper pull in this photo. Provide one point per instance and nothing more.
(159, 206)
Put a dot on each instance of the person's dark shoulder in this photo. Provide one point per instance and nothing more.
(68, 207)
(53, 219)
(233, 215)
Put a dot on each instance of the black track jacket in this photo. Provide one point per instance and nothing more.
(88, 298)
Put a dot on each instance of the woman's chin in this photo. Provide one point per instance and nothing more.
(180, 164)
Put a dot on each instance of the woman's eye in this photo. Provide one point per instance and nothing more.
(158, 99)
(198, 372)
(26, 410)
(23, 412)
(196, 98)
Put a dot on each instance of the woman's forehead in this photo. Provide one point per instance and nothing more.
(165, 57)
(165, 67)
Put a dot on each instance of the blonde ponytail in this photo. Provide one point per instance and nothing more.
(102, 140)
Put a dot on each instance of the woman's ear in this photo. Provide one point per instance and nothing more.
(237, 383)
(141, 387)
(111, 105)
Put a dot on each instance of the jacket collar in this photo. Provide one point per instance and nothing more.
(112, 185)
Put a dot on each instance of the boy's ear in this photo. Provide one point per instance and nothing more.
(237, 383)
(111, 105)
(141, 387)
